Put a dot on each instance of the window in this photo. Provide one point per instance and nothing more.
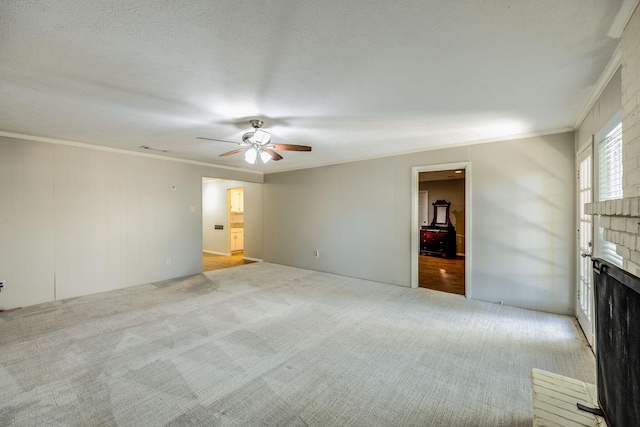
(610, 164)
(610, 182)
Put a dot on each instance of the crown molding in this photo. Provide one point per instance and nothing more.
(622, 18)
(120, 151)
(603, 81)
(465, 143)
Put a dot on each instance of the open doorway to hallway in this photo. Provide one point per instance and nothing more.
(223, 231)
(441, 216)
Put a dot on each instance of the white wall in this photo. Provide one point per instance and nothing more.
(359, 216)
(523, 204)
(214, 211)
(77, 221)
(343, 211)
(97, 220)
(27, 221)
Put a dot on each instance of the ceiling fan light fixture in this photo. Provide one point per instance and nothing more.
(264, 156)
(251, 155)
(257, 143)
(260, 137)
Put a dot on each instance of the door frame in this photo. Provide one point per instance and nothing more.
(415, 228)
(588, 148)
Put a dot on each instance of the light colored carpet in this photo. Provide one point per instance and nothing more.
(269, 345)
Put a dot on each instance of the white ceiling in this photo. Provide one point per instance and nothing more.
(354, 79)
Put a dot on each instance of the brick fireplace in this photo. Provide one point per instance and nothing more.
(621, 218)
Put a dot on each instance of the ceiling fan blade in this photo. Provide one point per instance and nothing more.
(275, 156)
(291, 147)
(219, 140)
(228, 153)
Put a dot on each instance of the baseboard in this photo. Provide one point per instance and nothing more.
(216, 253)
(252, 259)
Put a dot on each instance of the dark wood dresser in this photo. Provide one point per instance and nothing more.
(439, 238)
(438, 241)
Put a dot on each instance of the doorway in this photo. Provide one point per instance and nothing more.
(599, 178)
(223, 231)
(440, 256)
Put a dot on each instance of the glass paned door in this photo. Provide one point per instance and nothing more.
(584, 307)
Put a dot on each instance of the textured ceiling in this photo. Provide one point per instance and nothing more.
(354, 79)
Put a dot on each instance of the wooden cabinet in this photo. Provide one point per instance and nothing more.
(236, 200)
(438, 241)
(237, 240)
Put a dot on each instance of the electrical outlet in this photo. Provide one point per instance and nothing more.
(168, 261)
(2, 283)
(317, 253)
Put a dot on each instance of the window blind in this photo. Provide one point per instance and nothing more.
(610, 182)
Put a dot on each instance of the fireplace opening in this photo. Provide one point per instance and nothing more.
(617, 335)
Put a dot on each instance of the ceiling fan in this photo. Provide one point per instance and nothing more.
(257, 143)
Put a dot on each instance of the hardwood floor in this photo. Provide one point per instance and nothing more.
(216, 262)
(441, 274)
